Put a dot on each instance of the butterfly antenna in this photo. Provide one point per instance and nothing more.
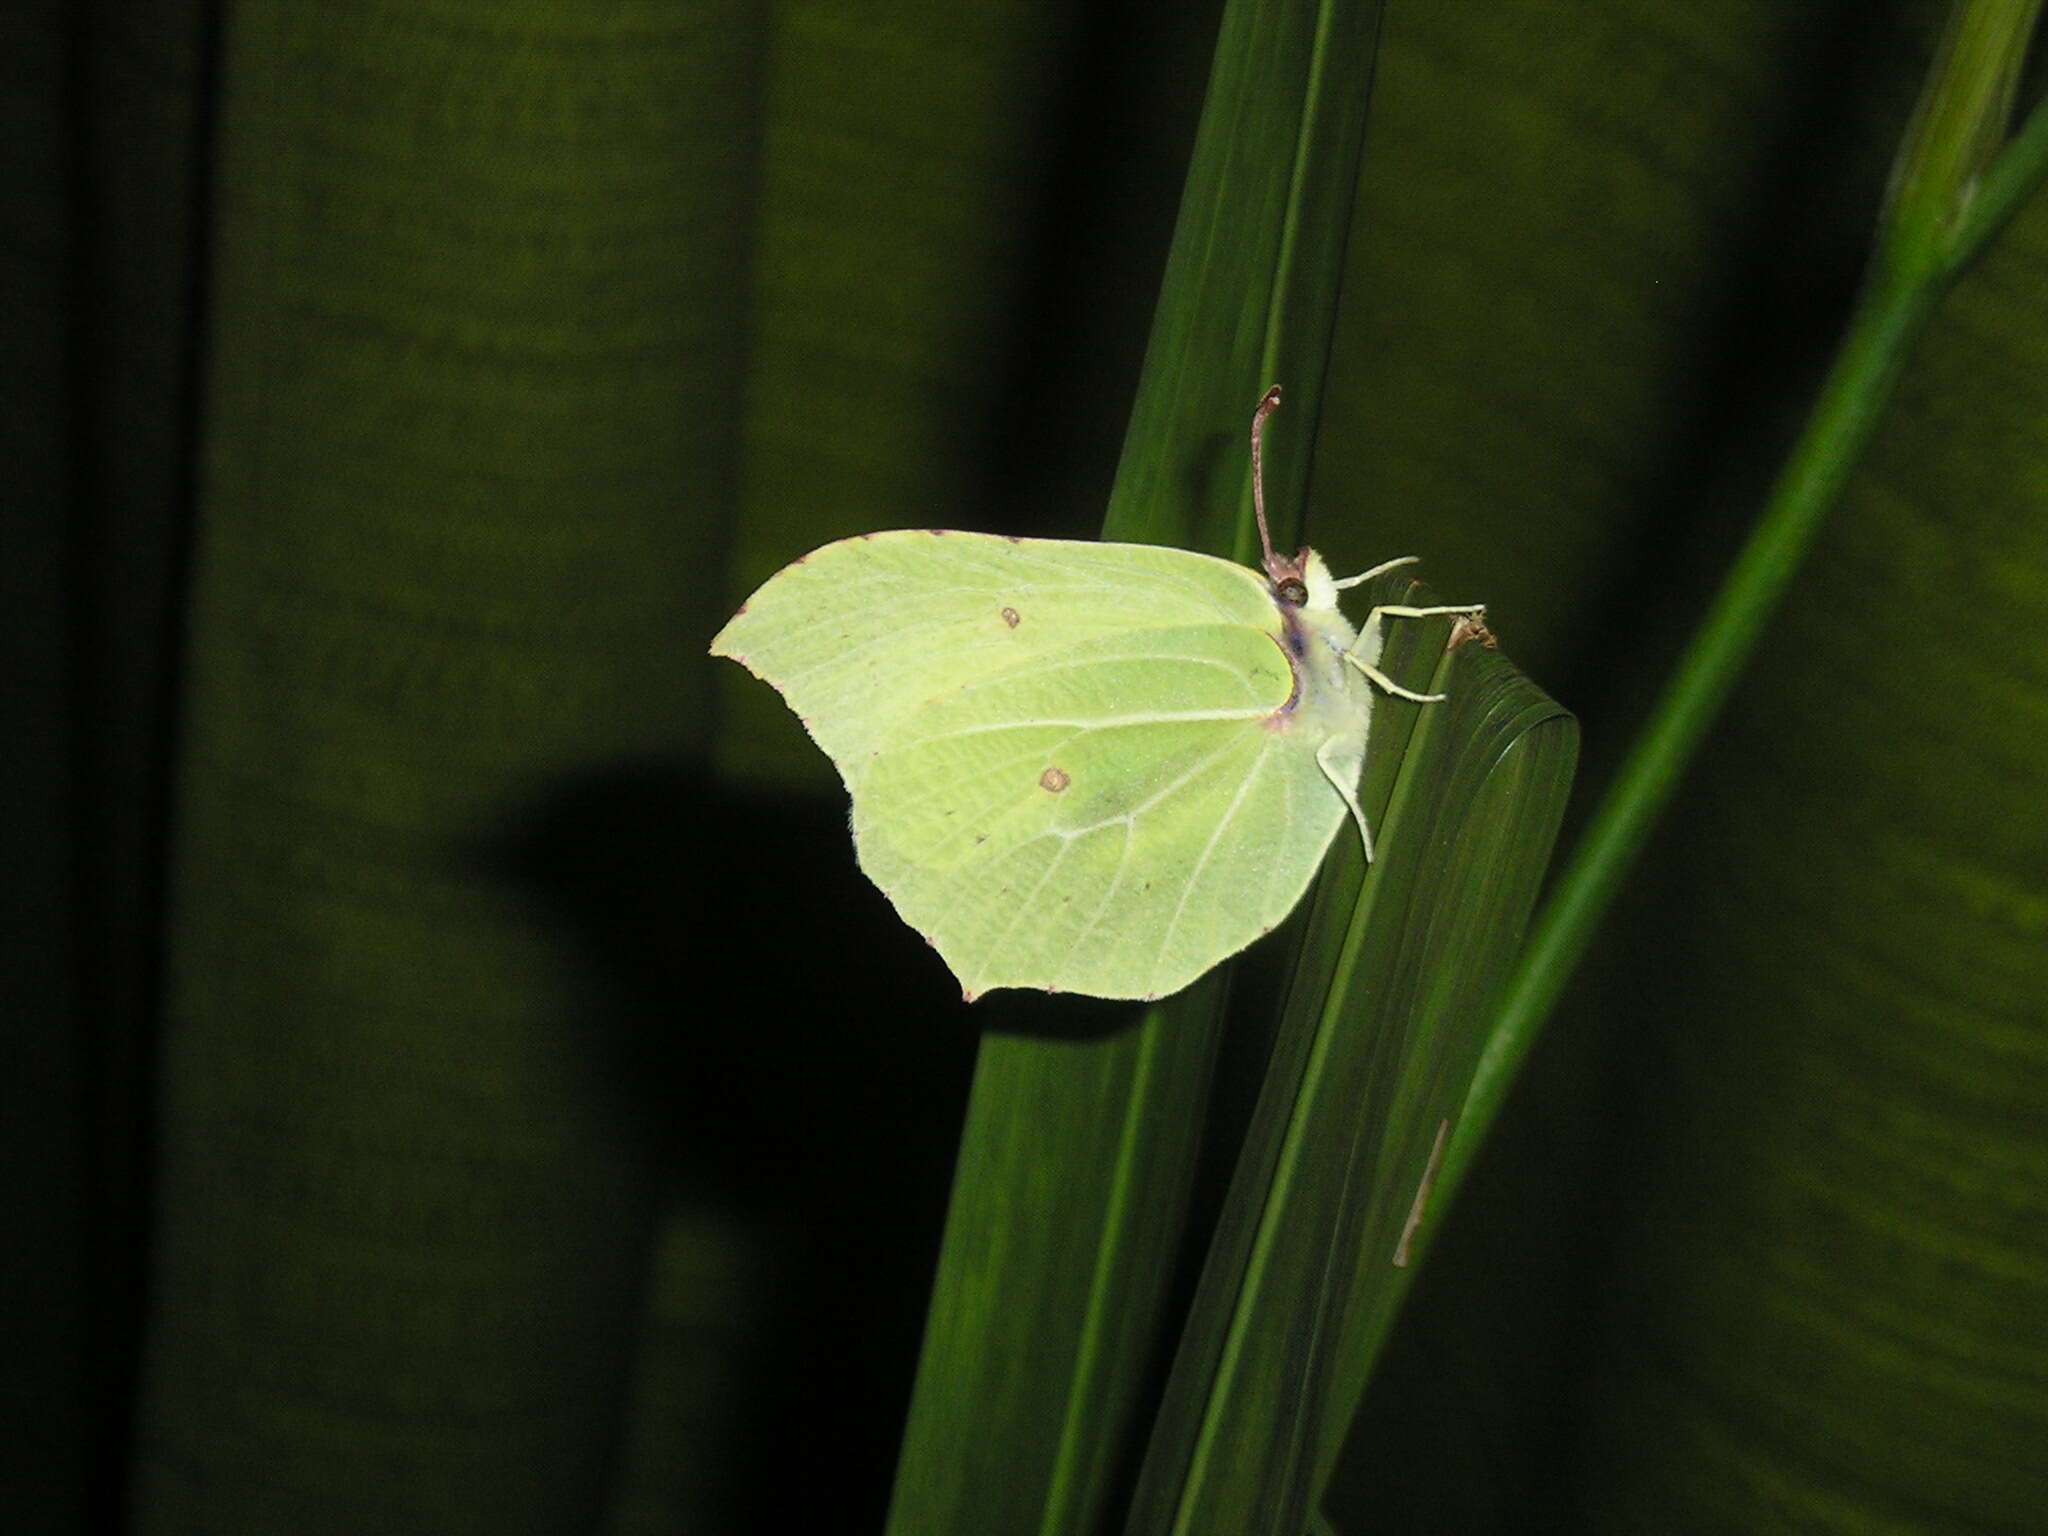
(1267, 406)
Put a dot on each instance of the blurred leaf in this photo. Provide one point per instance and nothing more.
(470, 277)
(1600, 264)
(1799, 1237)
(1926, 237)
(1841, 1235)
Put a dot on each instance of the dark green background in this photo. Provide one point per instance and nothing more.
(456, 1080)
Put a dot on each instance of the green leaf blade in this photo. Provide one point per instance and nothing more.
(1392, 998)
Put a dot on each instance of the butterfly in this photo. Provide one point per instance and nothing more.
(1084, 767)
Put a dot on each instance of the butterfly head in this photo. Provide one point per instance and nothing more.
(1301, 581)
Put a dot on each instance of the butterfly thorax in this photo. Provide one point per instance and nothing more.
(1315, 634)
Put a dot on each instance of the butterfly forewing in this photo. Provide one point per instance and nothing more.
(859, 633)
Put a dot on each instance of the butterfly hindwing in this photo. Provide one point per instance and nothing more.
(1105, 820)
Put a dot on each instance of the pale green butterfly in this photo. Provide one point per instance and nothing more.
(1095, 768)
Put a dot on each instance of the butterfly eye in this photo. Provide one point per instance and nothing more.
(1291, 590)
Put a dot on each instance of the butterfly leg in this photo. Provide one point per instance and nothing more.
(1403, 611)
(1346, 785)
(1386, 682)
